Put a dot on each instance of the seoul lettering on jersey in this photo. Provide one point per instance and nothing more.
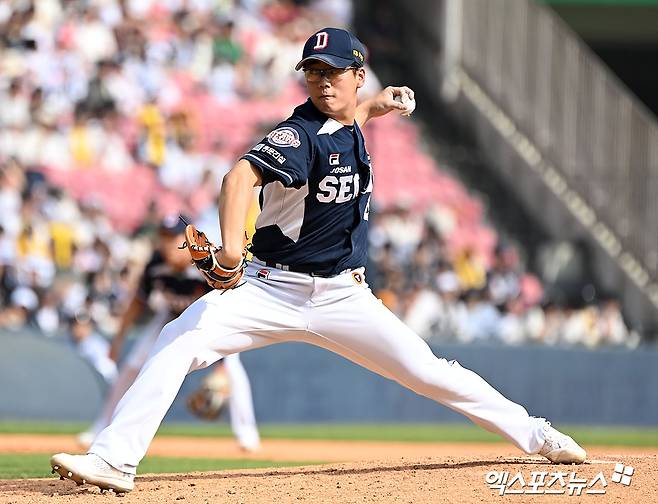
(338, 189)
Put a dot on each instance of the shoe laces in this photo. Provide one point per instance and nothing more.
(104, 467)
(553, 438)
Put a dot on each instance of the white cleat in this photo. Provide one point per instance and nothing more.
(250, 447)
(249, 440)
(92, 469)
(560, 448)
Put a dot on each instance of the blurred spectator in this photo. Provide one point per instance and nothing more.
(34, 262)
(15, 113)
(611, 324)
(182, 169)
(83, 140)
(470, 270)
(92, 38)
(92, 347)
(113, 154)
(503, 278)
(152, 143)
(47, 317)
(423, 311)
(7, 251)
(478, 318)
(22, 304)
(225, 47)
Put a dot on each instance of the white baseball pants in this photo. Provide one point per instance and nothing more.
(241, 405)
(339, 314)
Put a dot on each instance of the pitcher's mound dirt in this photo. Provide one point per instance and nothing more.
(459, 480)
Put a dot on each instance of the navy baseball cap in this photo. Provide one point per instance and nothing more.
(173, 225)
(336, 47)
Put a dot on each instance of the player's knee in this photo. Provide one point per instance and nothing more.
(417, 378)
(429, 375)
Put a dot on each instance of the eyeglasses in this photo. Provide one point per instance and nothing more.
(315, 74)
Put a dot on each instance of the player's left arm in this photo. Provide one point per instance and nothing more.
(390, 98)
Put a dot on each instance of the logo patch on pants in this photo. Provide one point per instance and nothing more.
(263, 273)
(358, 277)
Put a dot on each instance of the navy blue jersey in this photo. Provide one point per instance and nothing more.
(317, 183)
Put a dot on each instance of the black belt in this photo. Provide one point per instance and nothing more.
(301, 268)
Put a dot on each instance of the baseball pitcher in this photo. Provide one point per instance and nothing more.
(306, 281)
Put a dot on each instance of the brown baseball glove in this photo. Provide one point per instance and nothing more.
(204, 258)
(211, 398)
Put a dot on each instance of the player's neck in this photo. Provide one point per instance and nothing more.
(346, 116)
(347, 120)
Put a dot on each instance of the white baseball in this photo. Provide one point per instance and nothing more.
(410, 104)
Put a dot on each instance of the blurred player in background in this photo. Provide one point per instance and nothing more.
(92, 347)
(168, 285)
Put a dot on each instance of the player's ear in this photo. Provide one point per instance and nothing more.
(360, 75)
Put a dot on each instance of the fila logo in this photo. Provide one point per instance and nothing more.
(334, 159)
(263, 273)
(321, 40)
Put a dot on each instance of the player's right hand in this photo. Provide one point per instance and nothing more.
(393, 98)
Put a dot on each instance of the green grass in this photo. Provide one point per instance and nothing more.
(14, 466)
(616, 436)
(352, 432)
(36, 465)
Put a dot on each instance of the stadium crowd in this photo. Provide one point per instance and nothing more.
(460, 297)
(101, 86)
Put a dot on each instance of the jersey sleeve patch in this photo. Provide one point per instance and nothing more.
(285, 154)
(284, 137)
